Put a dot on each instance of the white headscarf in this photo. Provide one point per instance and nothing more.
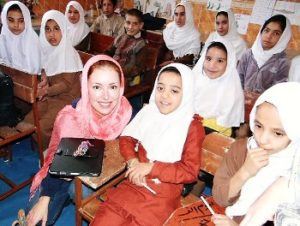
(21, 51)
(76, 32)
(232, 36)
(262, 56)
(221, 98)
(285, 97)
(294, 73)
(163, 136)
(61, 58)
(183, 40)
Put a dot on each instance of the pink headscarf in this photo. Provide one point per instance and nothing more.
(84, 122)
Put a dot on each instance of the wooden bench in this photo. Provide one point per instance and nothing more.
(99, 43)
(25, 87)
(214, 148)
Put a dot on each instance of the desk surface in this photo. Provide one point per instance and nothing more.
(113, 164)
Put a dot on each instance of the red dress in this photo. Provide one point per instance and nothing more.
(129, 204)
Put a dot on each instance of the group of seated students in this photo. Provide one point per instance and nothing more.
(162, 143)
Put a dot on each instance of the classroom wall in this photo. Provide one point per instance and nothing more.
(204, 21)
(45, 5)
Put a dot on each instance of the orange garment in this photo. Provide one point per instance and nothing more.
(129, 204)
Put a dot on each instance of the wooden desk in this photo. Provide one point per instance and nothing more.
(113, 170)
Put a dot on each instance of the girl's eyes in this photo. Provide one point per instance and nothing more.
(279, 134)
(257, 126)
(208, 58)
(114, 87)
(159, 88)
(175, 91)
(221, 61)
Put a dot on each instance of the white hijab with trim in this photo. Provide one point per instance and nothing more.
(76, 32)
(285, 97)
(232, 36)
(262, 56)
(221, 98)
(163, 136)
(183, 40)
(62, 58)
(21, 51)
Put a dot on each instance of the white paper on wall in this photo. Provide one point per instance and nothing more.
(262, 11)
(242, 21)
(217, 5)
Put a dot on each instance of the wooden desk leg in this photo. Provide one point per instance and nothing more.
(78, 200)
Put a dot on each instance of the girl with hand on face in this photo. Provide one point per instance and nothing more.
(77, 30)
(218, 93)
(62, 66)
(255, 164)
(226, 28)
(162, 147)
(19, 44)
(101, 113)
(181, 37)
(266, 63)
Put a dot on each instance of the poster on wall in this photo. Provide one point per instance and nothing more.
(158, 8)
(217, 5)
(262, 11)
(290, 9)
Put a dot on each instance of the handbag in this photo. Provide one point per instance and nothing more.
(8, 111)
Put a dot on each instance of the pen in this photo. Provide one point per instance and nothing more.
(208, 206)
(149, 189)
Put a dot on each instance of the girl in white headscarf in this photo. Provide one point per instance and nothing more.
(77, 30)
(226, 28)
(218, 93)
(266, 63)
(165, 136)
(252, 165)
(61, 66)
(19, 43)
(181, 37)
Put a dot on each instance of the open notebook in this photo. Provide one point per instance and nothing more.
(89, 164)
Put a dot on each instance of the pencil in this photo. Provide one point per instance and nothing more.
(208, 206)
(149, 189)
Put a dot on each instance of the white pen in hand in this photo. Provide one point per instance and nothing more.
(148, 188)
(208, 206)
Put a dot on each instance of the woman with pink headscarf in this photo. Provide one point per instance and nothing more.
(101, 113)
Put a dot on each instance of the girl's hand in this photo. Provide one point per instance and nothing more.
(222, 220)
(39, 212)
(43, 81)
(136, 174)
(42, 92)
(255, 160)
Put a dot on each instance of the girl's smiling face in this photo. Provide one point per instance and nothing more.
(215, 62)
(168, 94)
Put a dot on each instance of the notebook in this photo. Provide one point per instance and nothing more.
(89, 164)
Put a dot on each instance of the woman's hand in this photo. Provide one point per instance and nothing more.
(255, 160)
(39, 212)
(222, 220)
(136, 173)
